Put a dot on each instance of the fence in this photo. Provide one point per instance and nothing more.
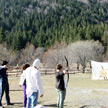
(48, 71)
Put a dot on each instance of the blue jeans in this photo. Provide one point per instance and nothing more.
(32, 100)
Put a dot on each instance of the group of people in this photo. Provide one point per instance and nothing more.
(31, 83)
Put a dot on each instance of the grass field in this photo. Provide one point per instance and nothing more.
(82, 92)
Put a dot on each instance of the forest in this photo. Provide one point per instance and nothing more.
(44, 22)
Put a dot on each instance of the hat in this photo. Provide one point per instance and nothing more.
(36, 63)
(4, 63)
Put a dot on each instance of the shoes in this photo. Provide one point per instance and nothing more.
(10, 104)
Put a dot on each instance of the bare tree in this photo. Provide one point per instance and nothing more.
(54, 55)
(29, 53)
(7, 54)
(85, 51)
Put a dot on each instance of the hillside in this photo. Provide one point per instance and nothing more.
(42, 22)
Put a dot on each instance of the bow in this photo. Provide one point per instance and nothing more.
(67, 64)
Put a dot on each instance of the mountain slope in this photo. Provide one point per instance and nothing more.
(42, 22)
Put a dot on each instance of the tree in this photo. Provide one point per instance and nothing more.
(29, 53)
(105, 40)
(6, 54)
(54, 55)
(2, 36)
(85, 51)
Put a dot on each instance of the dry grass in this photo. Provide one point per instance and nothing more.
(82, 92)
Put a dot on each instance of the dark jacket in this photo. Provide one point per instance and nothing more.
(60, 80)
(3, 75)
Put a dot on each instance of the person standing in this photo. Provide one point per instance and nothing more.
(1, 79)
(5, 84)
(33, 82)
(60, 85)
(24, 67)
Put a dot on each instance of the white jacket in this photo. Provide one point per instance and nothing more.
(33, 80)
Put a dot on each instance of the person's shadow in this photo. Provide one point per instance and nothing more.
(16, 105)
(51, 105)
(84, 106)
